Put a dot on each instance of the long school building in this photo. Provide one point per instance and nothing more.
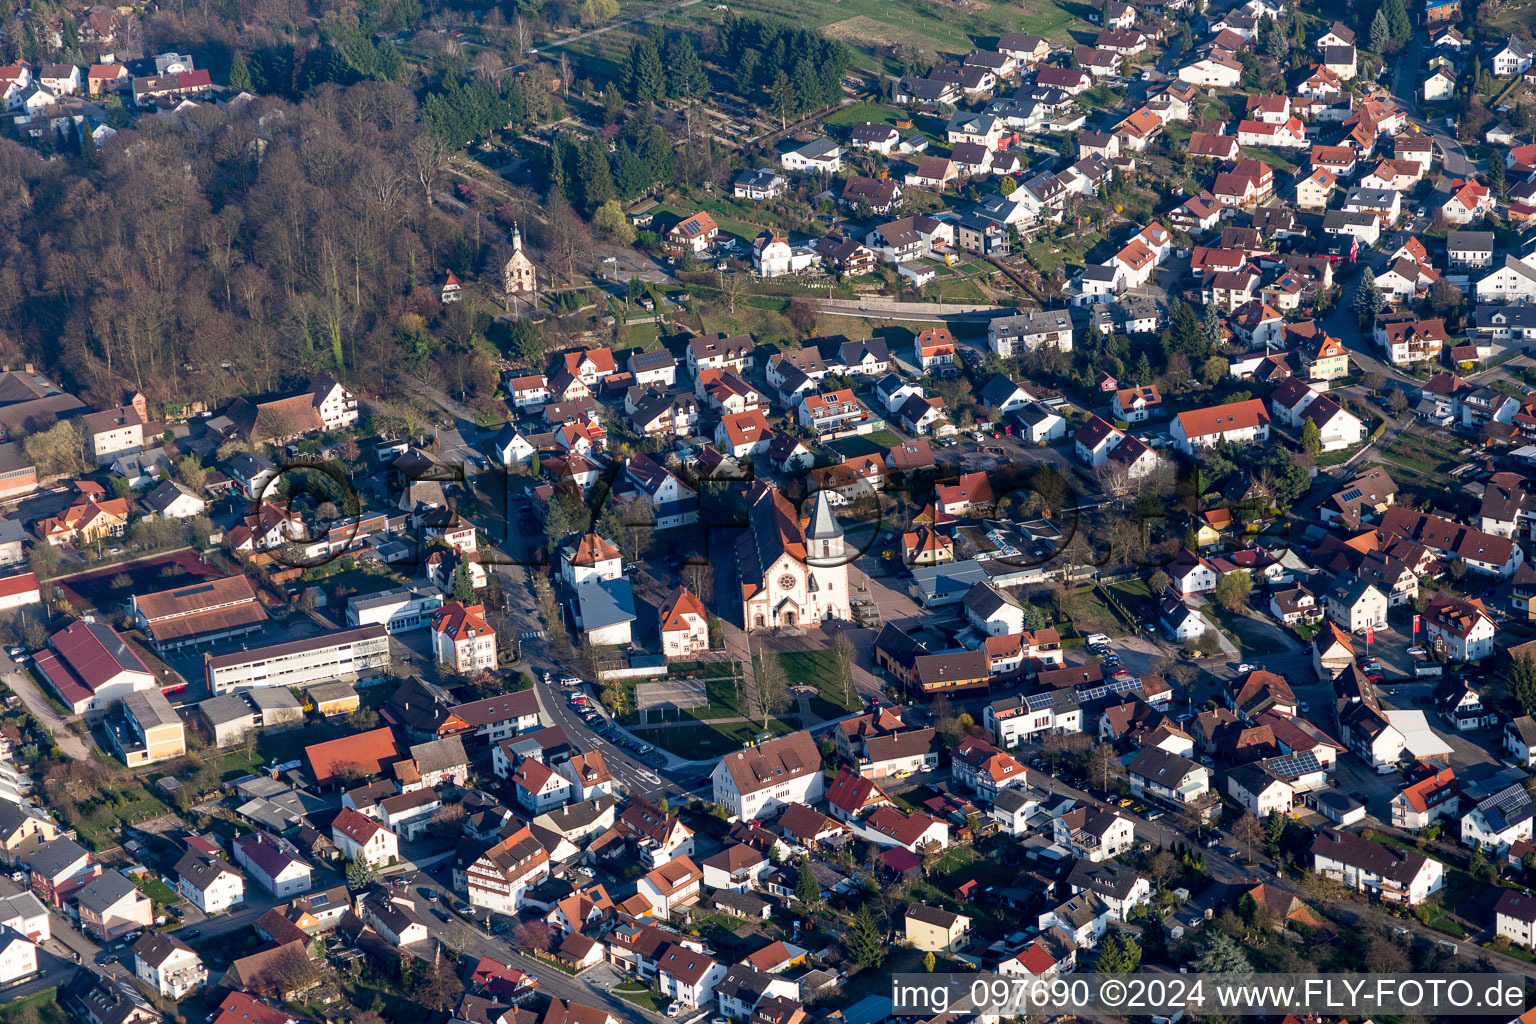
(348, 655)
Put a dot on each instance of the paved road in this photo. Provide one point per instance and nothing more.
(1453, 158)
(25, 687)
(893, 309)
(458, 934)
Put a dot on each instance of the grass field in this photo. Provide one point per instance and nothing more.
(158, 891)
(38, 1008)
(1051, 254)
(815, 668)
(706, 741)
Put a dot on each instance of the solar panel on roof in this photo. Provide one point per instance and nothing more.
(1295, 765)
(1351, 494)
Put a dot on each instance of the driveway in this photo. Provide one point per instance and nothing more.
(23, 686)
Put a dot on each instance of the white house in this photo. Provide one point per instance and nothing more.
(361, 838)
(1394, 874)
(821, 156)
(1497, 822)
(1514, 917)
(765, 778)
(168, 965)
(1238, 423)
(273, 863)
(671, 886)
(210, 883)
(1260, 792)
(1463, 627)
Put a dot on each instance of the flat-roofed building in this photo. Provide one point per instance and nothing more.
(146, 729)
(348, 655)
(399, 611)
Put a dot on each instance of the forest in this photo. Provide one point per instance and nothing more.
(237, 250)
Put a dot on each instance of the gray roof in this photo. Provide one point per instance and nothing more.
(225, 708)
(985, 600)
(823, 524)
(164, 495)
(1474, 240)
(103, 891)
(52, 858)
(150, 708)
(1516, 315)
(439, 755)
(12, 530)
(605, 603)
(273, 698)
(1161, 766)
(997, 390)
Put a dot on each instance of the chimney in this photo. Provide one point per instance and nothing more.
(29, 368)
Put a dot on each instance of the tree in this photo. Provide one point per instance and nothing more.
(1369, 299)
(767, 688)
(644, 79)
(1103, 766)
(930, 961)
(1232, 591)
(1007, 186)
(1162, 868)
(57, 451)
(1249, 832)
(807, 889)
(190, 471)
(685, 72)
(595, 12)
(1379, 34)
(844, 661)
(1158, 582)
(463, 584)
(1118, 953)
(1520, 681)
(439, 988)
(240, 73)
(595, 175)
(1222, 956)
(610, 220)
(865, 943)
(359, 874)
(1444, 298)
(781, 96)
(1311, 438)
(533, 936)
(1397, 20)
(1496, 170)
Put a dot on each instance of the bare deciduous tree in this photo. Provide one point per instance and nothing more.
(429, 157)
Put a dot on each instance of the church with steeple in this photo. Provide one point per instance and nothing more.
(519, 277)
(793, 571)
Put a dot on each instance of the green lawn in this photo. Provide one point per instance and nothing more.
(639, 995)
(158, 891)
(1280, 159)
(867, 24)
(38, 1008)
(699, 741)
(815, 668)
(913, 798)
(1089, 614)
(1051, 254)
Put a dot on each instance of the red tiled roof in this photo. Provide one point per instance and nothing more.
(373, 751)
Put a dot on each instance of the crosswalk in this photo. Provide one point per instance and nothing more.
(536, 634)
